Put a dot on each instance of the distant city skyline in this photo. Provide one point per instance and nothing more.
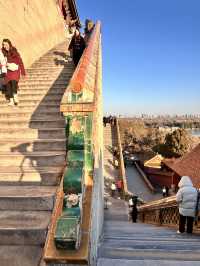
(151, 55)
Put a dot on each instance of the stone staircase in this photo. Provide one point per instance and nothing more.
(135, 244)
(126, 243)
(32, 158)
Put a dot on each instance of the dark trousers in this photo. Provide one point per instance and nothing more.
(134, 214)
(11, 88)
(76, 56)
(182, 222)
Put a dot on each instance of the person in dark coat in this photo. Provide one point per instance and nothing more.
(164, 191)
(104, 121)
(134, 210)
(15, 68)
(77, 46)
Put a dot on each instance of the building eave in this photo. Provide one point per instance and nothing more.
(74, 11)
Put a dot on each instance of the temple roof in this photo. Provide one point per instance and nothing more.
(188, 165)
(154, 162)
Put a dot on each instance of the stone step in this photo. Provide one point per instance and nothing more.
(23, 227)
(37, 159)
(153, 244)
(150, 254)
(20, 255)
(39, 97)
(42, 68)
(33, 145)
(27, 198)
(36, 115)
(52, 58)
(19, 133)
(42, 89)
(40, 72)
(49, 65)
(33, 124)
(44, 78)
(44, 84)
(42, 92)
(29, 176)
(33, 109)
(145, 262)
(30, 102)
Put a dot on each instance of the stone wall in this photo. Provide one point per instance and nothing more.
(33, 26)
(98, 178)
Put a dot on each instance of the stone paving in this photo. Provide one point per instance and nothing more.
(137, 186)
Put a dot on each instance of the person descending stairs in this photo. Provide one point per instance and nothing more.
(32, 158)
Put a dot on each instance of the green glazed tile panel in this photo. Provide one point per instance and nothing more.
(72, 182)
(76, 141)
(67, 233)
(71, 212)
(76, 133)
(79, 158)
(75, 158)
(76, 97)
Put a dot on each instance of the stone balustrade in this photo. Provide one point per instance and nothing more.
(122, 172)
(78, 216)
(162, 212)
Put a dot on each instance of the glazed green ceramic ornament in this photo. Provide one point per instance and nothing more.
(67, 235)
(72, 182)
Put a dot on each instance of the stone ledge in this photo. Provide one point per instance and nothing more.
(81, 256)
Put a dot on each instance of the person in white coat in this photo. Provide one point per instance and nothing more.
(186, 198)
(3, 69)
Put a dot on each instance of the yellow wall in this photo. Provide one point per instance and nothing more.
(33, 26)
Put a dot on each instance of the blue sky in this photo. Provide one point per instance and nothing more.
(151, 54)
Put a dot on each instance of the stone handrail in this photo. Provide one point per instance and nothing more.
(82, 83)
(122, 171)
(162, 212)
(145, 178)
(82, 110)
(162, 203)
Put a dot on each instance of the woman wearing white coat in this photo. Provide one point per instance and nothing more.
(186, 199)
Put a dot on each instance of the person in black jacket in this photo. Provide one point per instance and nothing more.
(134, 210)
(77, 46)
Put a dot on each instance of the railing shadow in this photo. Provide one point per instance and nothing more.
(46, 120)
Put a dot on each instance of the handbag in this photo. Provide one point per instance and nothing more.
(197, 207)
(12, 66)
